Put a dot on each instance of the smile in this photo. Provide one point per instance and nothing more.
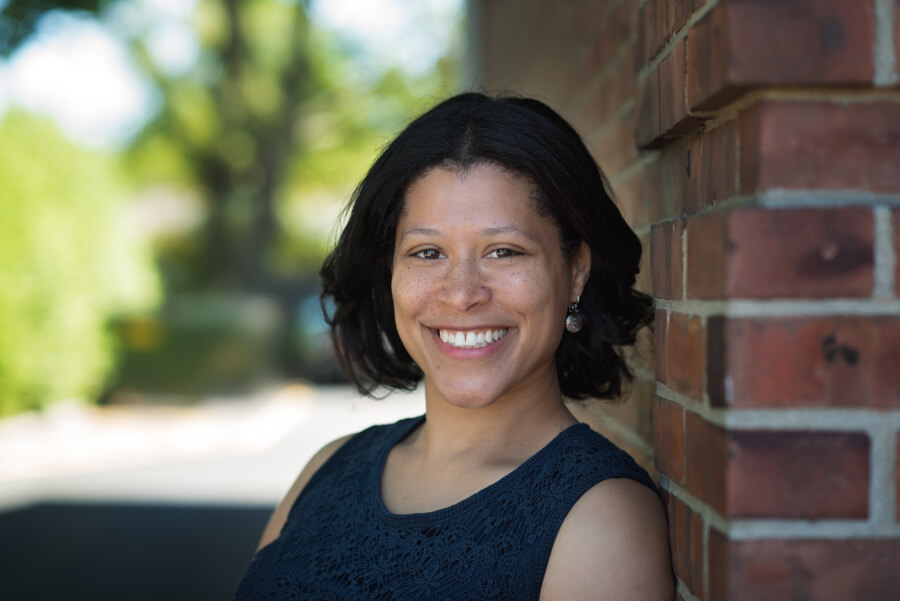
(472, 338)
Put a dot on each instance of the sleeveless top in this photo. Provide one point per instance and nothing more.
(340, 542)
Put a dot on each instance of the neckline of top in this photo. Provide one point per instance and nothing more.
(429, 516)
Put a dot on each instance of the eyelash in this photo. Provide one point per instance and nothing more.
(433, 253)
(421, 253)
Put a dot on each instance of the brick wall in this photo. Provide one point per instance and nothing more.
(755, 148)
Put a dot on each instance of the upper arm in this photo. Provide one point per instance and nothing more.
(613, 544)
(279, 516)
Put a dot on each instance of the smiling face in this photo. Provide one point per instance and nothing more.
(481, 286)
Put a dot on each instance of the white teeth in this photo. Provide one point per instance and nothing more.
(471, 339)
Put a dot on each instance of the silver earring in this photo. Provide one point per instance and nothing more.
(575, 318)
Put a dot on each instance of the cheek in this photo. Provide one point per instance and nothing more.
(408, 291)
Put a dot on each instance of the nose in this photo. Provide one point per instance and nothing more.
(465, 285)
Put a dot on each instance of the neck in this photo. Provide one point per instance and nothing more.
(511, 428)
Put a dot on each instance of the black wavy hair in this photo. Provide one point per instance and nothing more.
(522, 136)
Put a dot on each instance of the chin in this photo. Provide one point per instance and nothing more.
(469, 398)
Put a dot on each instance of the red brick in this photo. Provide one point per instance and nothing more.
(668, 439)
(666, 258)
(824, 570)
(654, 27)
(825, 361)
(741, 45)
(705, 461)
(682, 11)
(820, 146)
(712, 168)
(797, 474)
(781, 253)
(660, 336)
(897, 480)
(686, 543)
(661, 102)
(685, 355)
(657, 191)
(897, 245)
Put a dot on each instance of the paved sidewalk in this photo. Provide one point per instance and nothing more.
(222, 451)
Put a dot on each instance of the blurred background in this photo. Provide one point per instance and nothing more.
(172, 173)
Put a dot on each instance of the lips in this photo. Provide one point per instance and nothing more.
(471, 338)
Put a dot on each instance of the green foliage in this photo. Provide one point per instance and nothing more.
(67, 265)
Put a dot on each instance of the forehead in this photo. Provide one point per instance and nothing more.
(483, 191)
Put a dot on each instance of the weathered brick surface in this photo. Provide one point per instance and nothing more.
(685, 355)
(661, 101)
(666, 259)
(896, 229)
(787, 253)
(797, 474)
(897, 480)
(660, 335)
(824, 570)
(706, 448)
(668, 439)
(692, 173)
(820, 146)
(686, 543)
(741, 45)
(825, 361)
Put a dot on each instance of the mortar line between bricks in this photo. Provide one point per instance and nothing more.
(654, 62)
(884, 254)
(867, 307)
(617, 117)
(754, 529)
(709, 515)
(682, 589)
(885, 60)
(779, 198)
(837, 419)
(882, 491)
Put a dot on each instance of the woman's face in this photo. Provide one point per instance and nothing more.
(481, 285)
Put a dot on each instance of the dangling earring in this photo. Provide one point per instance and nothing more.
(575, 318)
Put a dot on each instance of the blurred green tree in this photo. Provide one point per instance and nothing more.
(266, 133)
(68, 263)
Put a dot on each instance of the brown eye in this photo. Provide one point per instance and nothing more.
(503, 253)
(428, 253)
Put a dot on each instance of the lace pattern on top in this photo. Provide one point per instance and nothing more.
(340, 543)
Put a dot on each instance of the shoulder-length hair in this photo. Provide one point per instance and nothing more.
(527, 138)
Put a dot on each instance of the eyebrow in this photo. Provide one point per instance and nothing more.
(491, 231)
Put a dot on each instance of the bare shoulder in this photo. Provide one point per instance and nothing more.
(613, 544)
(279, 516)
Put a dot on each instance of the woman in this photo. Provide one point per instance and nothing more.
(482, 253)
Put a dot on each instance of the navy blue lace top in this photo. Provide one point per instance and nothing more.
(340, 542)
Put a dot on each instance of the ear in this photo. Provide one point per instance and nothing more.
(581, 270)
